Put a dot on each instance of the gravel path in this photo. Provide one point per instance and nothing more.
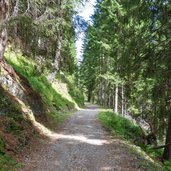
(83, 145)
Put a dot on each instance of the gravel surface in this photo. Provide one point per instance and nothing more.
(83, 145)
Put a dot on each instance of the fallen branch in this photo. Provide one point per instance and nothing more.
(162, 146)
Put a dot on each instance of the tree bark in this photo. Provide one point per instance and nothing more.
(167, 150)
(122, 103)
(58, 52)
(116, 98)
(57, 59)
(3, 43)
(89, 95)
(4, 13)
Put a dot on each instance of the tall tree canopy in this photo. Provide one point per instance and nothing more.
(127, 63)
(41, 29)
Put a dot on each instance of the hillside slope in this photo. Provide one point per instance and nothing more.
(30, 105)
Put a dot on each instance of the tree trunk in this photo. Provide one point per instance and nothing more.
(57, 60)
(3, 43)
(122, 103)
(89, 95)
(103, 92)
(125, 106)
(109, 98)
(16, 9)
(4, 13)
(167, 150)
(116, 98)
(113, 100)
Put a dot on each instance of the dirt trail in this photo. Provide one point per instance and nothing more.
(83, 145)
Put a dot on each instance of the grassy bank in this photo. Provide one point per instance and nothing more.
(15, 133)
(53, 107)
(38, 81)
(123, 128)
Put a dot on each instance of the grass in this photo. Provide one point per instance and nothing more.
(120, 126)
(127, 130)
(27, 68)
(8, 124)
(7, 163)
(75, 93)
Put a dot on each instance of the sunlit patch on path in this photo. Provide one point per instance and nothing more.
(83, 139)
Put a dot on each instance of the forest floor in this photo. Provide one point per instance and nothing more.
(83, 144)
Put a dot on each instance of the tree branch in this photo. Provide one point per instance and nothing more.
(28, 7)
(161, 146)
(16, 9)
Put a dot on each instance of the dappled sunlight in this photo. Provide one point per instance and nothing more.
(89, 110)
(107, 168)
(84, 139)
(55, 136)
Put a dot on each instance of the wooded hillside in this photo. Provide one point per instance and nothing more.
(126, 69)
(127, 64)
(37, 72)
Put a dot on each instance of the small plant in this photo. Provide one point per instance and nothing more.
(2, 146)
(167, 166)
(7, 163)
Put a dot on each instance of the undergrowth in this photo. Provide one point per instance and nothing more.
(120, 126)
(7, 163)
(75, 93)
(127, 130)
(12, 125)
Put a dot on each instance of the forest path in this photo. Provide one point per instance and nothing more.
(84, 145)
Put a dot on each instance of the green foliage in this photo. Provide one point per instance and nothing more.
(2, 146)
(36, 26)
(7, 163)
(126, 61)
(13, 127)
(53, 98)
(6, 106)
(57, 118)
(75, 92)
(127, 130)
(154, 153)
(120, 125)
(167, 166)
